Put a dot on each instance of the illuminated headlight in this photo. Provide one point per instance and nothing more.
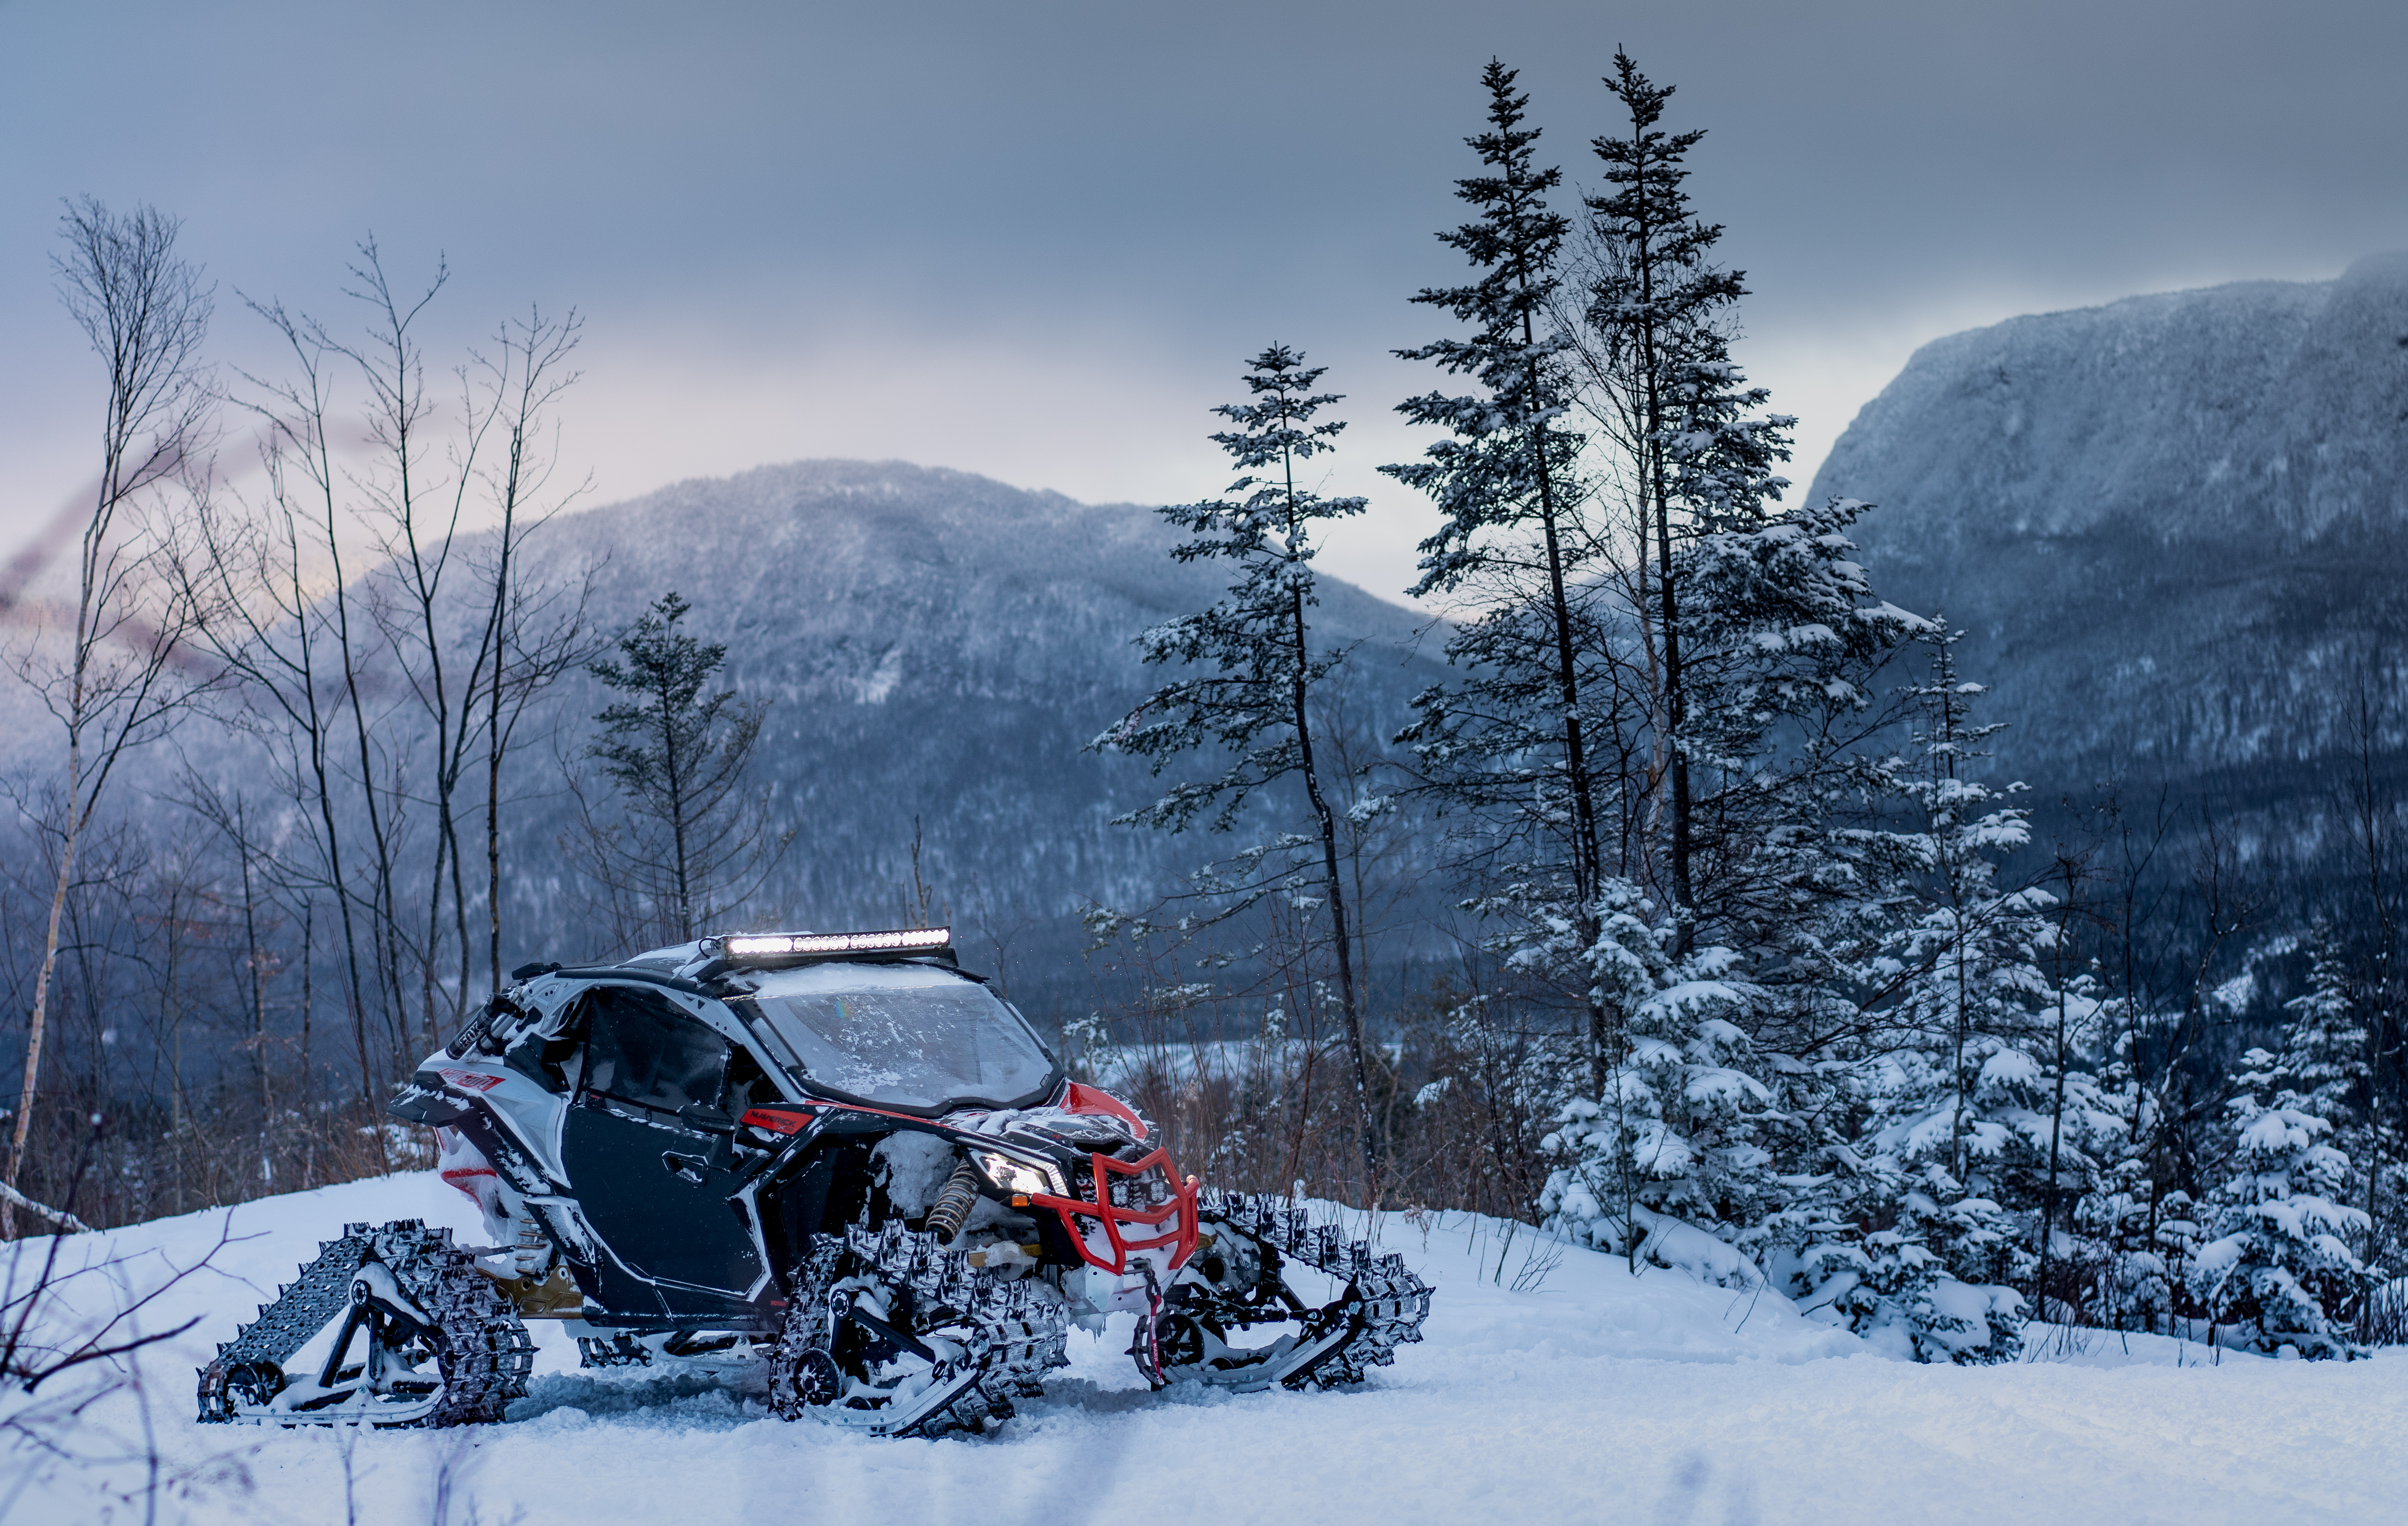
(754, 946)
(1025, 1177)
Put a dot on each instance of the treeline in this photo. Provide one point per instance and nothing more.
(1758, 972)
(297, 676)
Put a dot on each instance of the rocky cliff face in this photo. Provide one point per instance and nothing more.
(2175, 529)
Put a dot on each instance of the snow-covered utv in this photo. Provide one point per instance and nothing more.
(838, 1157)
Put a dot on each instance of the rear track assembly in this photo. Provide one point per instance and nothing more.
(442, 1347)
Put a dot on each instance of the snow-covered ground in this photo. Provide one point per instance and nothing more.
(1581, 1394)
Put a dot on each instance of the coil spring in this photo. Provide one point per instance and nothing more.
(953, 1204)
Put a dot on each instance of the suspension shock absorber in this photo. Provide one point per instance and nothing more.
(953, 1204)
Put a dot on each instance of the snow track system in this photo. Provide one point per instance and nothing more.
(890, 1332)
(441, 1345)
(1235, 1285)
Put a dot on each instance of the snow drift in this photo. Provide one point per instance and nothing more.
(1553, 1384)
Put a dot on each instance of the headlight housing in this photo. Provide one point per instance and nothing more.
(1028, 1178)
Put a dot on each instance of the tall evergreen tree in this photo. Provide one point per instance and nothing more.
(676, 748)
(2323, 1059)
(2328, 1064)
(1972, 988)
(1251, 663)
(1719, 978)
(1699, 460)
(1517, 732)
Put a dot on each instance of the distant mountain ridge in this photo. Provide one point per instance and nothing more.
(937, 648)
(2174, 528)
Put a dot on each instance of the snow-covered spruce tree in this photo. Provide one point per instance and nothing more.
(1785, 642)
(1511, 746)
(2324, 1061)
(1674, 1144)
(1776, 640)
(1250, 668)
(1972, 995)
(2329, 1060)
(1741, 1049)
(1957, 1090)
(1759, 636)
(2278, 1262)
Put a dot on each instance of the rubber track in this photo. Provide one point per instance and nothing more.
(488, 1353)
(1385, 1300)
(1018, 1330)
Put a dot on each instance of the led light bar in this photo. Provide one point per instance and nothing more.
(754, 945)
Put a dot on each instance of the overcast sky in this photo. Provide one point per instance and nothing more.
(1037, 241)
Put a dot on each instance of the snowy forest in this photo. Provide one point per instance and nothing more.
(1676, 908)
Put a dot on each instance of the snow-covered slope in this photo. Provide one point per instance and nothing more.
(1583, 1394)
(2175, 527)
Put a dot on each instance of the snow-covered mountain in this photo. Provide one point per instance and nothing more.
(935, 647)
(2174, 527)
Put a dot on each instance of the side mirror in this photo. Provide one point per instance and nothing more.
(704, 1119)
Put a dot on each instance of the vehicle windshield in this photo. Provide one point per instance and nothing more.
(903, 1035)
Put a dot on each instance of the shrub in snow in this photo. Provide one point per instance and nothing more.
(2278, 1264)
(1674, 1144)
(2137, 1256)
(1879, 1262)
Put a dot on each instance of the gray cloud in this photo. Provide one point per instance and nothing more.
(1036, 240)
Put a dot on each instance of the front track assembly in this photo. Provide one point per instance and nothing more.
(892, 1333)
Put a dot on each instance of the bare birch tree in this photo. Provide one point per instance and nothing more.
(271, 574)
(414, 507)
(118, 676)
(533, 636)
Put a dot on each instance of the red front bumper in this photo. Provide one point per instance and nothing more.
(1112, 1256)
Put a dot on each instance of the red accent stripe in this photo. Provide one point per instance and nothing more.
(457, 1179)
(776, 1120)
(785, 1111)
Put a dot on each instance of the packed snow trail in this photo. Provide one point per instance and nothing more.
(1592, 1395)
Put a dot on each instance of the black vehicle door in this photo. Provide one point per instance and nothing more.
(655, 1187)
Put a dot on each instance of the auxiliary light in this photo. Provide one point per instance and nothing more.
(754, 945)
